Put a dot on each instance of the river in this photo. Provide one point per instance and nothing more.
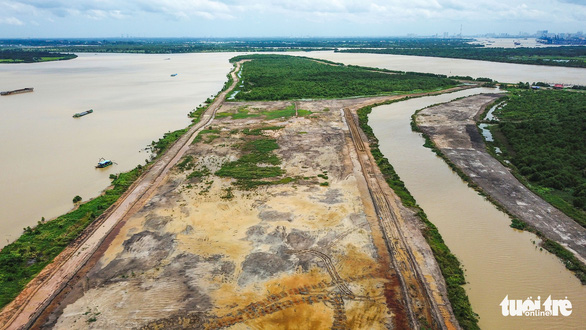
(503, 72)
(48, 157)
(498, 260)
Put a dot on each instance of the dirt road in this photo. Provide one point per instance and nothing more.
(420, 301)
(452, 128)
(39, 293)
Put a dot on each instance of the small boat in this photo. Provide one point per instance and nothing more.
(17, 91)
(104, 163)
(173, 75)
(81, 114)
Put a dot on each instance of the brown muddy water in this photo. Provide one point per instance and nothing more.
(503, 72)
(48, 157)
(498, 260)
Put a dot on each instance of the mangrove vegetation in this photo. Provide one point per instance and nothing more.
(278, 77)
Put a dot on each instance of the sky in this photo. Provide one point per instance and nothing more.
(284, 18)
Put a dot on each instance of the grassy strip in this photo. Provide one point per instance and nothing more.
(259, 131)
(243, 113)
(31, 56)
(569, 260)
(246, 169)
(23, 259)
(448, 263)
(210, 130)
(167, 141)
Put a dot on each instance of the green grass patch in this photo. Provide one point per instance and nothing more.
(259, 131)
(167, 141)
(203, 132)
(257, 162)
(186, 163)
(199, 173)
(32, 56)
(244, 113)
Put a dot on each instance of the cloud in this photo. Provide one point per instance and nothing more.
(11, 21)
(102, 9)
(409, 15)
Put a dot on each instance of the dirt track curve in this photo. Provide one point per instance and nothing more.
(38, 294)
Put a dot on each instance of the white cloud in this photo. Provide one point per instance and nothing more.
(410, 15)
(11, 21)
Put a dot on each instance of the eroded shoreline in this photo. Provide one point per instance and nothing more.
(452, 128)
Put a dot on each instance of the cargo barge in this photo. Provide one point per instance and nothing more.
(17, 91)
(81, 114)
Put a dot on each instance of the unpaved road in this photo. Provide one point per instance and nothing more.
(452, 128)
(419, 297)
(40, 292)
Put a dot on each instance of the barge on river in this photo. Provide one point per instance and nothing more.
(17, 91)
(81, 114)
(104, 163)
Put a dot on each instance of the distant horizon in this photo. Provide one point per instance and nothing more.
(276, 37)
(288, 18)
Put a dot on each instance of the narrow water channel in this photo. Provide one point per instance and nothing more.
(497, 259)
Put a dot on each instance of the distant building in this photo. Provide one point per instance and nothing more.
(558, 86)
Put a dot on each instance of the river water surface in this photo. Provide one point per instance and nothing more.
(48, 157)
(503, 72)
(497, 259)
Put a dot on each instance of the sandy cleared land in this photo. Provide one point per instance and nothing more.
(299, 254)
(452, 128)
(41, 291)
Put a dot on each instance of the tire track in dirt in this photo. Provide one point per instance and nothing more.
(418, 296)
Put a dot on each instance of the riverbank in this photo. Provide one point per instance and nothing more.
(135, 101)
(9, 56)
(43, 288)
(452, 132)
(448, 263)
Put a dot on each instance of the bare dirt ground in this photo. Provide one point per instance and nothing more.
(452, 128)
(294, 255)
(180, 251)
(41, 291)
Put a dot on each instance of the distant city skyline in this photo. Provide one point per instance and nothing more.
(285, 18)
